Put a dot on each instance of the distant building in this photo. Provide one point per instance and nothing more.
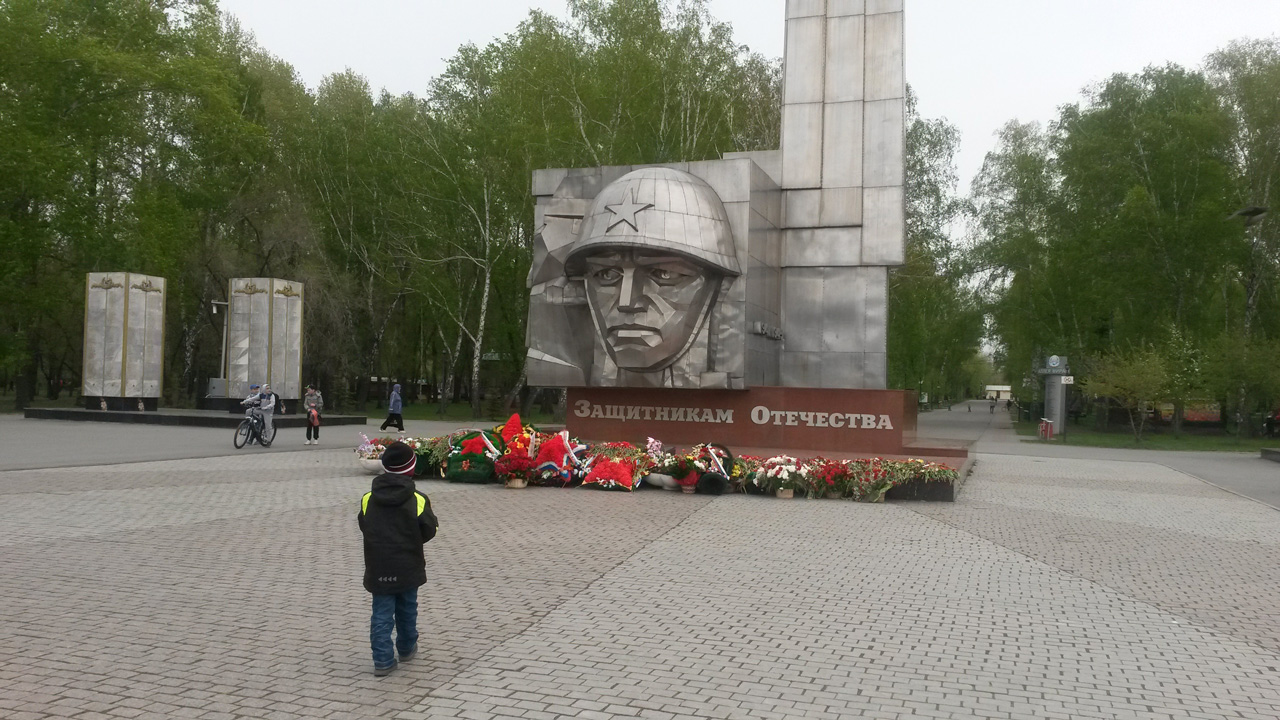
(998, 392)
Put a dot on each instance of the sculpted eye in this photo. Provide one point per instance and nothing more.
(608, 276)
(666, 276)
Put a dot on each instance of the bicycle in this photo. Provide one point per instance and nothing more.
(250, 429)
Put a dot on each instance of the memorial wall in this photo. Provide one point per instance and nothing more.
(759, 271)
(123, 337)
(264, 336)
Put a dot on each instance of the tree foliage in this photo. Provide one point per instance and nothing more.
(158, 137)
(1115, 227)
(935, 319)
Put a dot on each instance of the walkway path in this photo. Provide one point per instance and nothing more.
(230, 588)
(1243, 473)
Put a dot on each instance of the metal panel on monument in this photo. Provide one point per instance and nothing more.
(264, 341)
(123, 336)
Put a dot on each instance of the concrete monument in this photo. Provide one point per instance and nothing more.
(123, 341)
(761, 269)
(745, 298)
(264, 336)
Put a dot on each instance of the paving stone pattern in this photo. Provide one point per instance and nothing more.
(230, 588)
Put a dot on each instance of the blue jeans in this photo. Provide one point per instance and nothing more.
(399, 610)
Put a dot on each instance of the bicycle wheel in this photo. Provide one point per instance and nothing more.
(266, 436)
(242, 434)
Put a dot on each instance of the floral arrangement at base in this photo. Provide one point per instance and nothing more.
(372, 449)
(611, 475)
(518, 452)
(617, 466)
(782, 472)
(434, 452)
(472, 457)
(684, 467)
(559, 461)
(515, 466)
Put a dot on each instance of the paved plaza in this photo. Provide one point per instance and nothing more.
(229, 587)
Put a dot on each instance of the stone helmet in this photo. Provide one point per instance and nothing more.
(658, 209)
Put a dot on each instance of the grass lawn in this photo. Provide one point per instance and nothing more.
(1088, 437)
(457, 412)
(65, 400)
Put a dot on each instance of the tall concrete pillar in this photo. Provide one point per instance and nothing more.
(265, 336)
(842, 176)
(123, 339)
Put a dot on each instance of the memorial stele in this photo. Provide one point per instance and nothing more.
(123, 340)
(758, 269)
(264, 336)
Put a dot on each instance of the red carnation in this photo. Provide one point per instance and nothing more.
(474, 445)
(513, 428)
(552, 451)
(609, 473)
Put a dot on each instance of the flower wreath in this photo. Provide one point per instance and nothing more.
(559, 460)
(472, 458)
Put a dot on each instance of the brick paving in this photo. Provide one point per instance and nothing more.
(230, 588)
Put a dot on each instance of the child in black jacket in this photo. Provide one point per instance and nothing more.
(396, 521)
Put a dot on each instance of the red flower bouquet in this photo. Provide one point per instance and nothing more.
(611, 475)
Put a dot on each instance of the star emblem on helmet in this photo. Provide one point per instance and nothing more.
(626, 212)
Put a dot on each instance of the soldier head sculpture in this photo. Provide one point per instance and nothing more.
(654, 252)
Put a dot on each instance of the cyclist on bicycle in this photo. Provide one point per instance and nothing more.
(268, 409)
(253, 405)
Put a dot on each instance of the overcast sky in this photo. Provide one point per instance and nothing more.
(979, 63)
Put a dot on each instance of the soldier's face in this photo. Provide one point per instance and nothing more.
(646, 305)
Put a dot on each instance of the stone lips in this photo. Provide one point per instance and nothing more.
(879, 422)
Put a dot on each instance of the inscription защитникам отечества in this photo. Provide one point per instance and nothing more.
(760, 415)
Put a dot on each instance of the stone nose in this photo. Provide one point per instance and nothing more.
(631, 294)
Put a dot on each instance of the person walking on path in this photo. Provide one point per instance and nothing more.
(313, 404)
(396, 521)
(394, 408)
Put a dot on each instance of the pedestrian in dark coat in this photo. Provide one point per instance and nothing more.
(394, 408)
(396, 521)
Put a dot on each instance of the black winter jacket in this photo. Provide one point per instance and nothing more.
(396, 521)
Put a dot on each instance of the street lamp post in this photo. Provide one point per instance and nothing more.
(222, 367)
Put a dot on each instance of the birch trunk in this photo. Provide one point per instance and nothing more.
(478, 355)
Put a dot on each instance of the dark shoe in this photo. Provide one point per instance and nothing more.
(404, 657)
(384, 671)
